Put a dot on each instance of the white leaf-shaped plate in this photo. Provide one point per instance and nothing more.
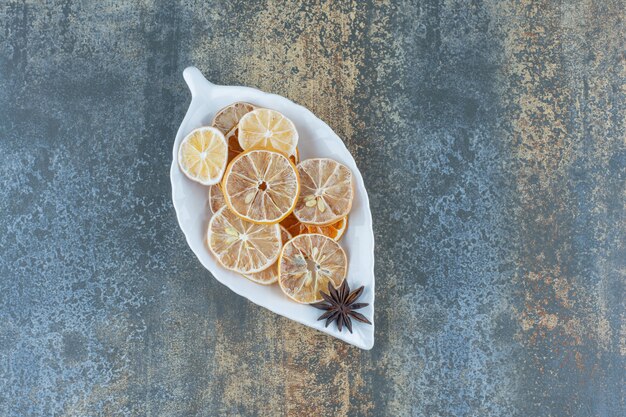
(316, 139)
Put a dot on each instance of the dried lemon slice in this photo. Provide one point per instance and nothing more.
(216, 198)
(326, 192)
(242, 246)
(267, 129)
(202, 155)
(270, 275)
(334, 230)
(234, 148)
(261, 186)
(227, 119)
(307, 264)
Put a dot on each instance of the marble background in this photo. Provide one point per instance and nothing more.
(491, 136)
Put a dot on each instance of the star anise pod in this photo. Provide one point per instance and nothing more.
(340, 305)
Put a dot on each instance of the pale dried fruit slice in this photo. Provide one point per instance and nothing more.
(326, 194)
(261, 186)
(307, 264)
(202, 155)
(216, 198)
(270, 275)
(334, 230)
(227, 119)
(242, 246)
(267, 129)
(234, 148)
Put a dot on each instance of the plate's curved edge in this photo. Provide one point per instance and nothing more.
(366, 202)
(369, 222)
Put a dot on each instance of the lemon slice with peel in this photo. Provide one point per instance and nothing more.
(334, 230)
(326, 194)
(261, 186)
(267, 129)
(270, 275)
(234, 148)
(307, 264)
(227, 119)
(242, 246)
(202, 155)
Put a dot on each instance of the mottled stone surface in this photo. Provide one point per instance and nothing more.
(491, 136)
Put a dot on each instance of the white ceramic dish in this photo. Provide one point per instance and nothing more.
(316, 139)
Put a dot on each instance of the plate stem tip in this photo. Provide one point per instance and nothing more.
(196, 81)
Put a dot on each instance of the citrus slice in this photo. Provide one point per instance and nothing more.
(326, 192)
(267, 129)
(307, 264)
(216, 198)
(202, 155)
(270, 275)
(228, 118)
(261, 186)
(334, 231)
(242, 246)
(234, 148)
